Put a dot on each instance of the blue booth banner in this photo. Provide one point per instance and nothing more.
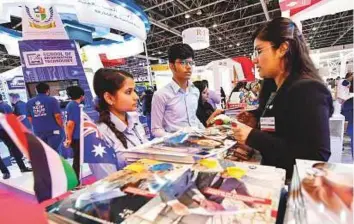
(16, 82)
(54, 60)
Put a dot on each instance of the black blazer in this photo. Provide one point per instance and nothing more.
(301, 108)
(204, 111)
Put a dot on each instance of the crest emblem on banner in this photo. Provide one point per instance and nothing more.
(41, 17)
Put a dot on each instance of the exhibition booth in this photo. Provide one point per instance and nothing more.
(63, 43)
(50, 50)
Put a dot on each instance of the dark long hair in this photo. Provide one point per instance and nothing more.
(201, 86)
(204, 109)
(109, 80)
(297, 59)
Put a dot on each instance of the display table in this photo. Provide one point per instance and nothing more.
(147, 190)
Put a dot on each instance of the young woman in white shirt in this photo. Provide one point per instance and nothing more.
(118, 119)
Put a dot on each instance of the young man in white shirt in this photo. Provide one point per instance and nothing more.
(174, 106)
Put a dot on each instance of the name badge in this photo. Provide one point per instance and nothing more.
(268, 124)
(56, 132)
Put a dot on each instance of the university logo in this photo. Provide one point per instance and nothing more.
(41, 18)
(34, 59)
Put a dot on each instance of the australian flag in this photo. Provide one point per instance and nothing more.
(95, 150)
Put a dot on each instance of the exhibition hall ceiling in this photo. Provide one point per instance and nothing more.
(230, 22)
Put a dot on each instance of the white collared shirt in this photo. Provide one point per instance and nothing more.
(173, 109)
(134, 132)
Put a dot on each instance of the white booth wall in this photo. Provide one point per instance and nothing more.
(5, 90)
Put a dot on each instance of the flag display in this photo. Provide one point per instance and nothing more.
(95, 149)
(53, 175)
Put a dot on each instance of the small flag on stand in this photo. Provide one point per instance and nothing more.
(53, 175)
(95, 151)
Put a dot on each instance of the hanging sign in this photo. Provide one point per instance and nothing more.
(41, 22)
(108, 14)
(196, 37)
(16, 82)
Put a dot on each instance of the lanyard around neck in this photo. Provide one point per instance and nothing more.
(269, 102)
(137, 135)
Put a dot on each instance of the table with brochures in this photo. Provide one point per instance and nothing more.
(198, 177)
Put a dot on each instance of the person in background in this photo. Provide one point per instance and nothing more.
(44, 113)
(344, 88)
(146, 101)
(223, 98)
(347, 112)
(20, 109)
(72, 128)
(347, 107)
(214, 98)
(6, 109)
(237, 95)
(205, 111)
(118, 121)
(174, 106)
(294, 118)
(252, 96)
(349, 78)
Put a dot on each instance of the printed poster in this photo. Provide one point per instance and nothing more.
(42, 22)
(15, 83)
(55, 60)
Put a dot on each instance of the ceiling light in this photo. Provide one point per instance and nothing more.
(238, 44)
(199, 12)
(230, 45)
(215, 25)
(219, 38)
(187, 16)
(314, 28)
(310, 37)
(159, 52)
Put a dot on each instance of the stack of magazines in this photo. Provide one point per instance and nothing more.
(221, 191)
(149, 192)
(321, 192)
(183, 148)
(113, 199)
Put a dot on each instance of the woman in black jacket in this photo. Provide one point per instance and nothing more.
(292, 121)
(205, 111)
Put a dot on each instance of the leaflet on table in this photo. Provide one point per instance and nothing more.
(192, 139)
(185, 148)
(119, 195)
(235, 111)
(221, 192)
(327, 191)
